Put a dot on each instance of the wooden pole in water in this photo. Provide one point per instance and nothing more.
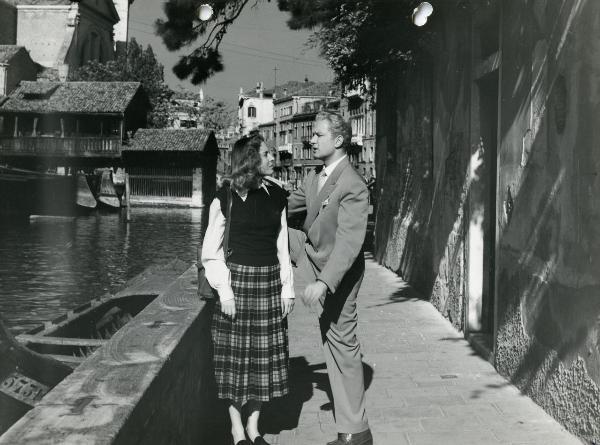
(127, 200)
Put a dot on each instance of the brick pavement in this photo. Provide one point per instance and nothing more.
(425, 383)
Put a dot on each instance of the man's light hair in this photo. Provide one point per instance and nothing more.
(338, 126)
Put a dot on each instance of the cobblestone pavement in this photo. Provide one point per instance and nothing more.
(425, 383)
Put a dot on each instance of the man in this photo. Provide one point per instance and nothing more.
(335, 199)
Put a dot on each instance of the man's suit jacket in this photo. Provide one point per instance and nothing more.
(335, 224)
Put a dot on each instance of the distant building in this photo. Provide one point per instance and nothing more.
(61, 34)
(255, 108)
(70, 123)
(185, 110)
(294, 115)
(121, 28)
(358, 109)
(171, 167)
(15, 65)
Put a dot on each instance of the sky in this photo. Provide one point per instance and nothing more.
(257, 43)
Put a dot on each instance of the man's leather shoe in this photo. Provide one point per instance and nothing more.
(362, 438)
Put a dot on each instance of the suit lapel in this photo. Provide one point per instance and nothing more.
(317, 197)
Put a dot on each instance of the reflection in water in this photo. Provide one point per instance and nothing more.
(48, 267)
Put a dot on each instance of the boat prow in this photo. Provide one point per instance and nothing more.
(85, 197)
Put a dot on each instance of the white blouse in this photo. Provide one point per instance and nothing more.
(213, 259)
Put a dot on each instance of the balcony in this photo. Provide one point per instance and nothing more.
(61, 147)
(285, 147)
(357, 139)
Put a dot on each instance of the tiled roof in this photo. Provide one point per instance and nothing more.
(291, 86)
(7, 52)
(314, 89)
(169, 139)
(71, 97)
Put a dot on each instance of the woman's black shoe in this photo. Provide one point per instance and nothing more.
(243, 442)
(260, 441)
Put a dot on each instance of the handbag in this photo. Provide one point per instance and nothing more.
(205, 290)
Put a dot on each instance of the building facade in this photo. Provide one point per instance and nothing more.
(15, 65)
(62, 34)
(488, 161)
(294, 115)
(255, 108)
(359, 110)
(49, 124)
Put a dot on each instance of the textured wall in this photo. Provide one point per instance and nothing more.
(549, 238)
(546, 211)
(42, 33)
(422, 154)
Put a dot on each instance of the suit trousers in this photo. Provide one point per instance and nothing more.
(338, 322)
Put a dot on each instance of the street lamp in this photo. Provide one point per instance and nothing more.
(421, 13)
(205, 12)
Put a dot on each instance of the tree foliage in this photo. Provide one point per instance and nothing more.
(138, 65)
(360, 39)
(214, 114)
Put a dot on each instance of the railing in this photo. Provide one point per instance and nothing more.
(161, 182)
(57, 146)
(285, 147)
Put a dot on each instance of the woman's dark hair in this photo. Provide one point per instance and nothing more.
(245, 163)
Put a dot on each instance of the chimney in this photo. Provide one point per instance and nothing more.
(261, 92)
(284, 92)
(257, 87)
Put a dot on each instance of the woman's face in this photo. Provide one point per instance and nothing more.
(267, 160)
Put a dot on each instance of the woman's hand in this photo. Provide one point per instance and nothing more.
(287, 306)
(228, 307)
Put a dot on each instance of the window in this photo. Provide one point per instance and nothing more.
(251, 111)
(372, 154)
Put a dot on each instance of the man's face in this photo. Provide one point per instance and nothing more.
(323, 142)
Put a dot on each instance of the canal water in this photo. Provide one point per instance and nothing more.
(50, 266)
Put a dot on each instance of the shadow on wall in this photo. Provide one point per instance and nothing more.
(548, 187)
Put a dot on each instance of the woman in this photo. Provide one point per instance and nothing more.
(255, 287)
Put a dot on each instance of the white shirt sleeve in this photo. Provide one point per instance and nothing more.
(213, 259)
(283, 255)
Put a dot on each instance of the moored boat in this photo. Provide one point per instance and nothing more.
(107, 194)
(32, 363)
(85, 197)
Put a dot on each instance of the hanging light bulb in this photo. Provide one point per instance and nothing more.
(421, 13)
(205, 12)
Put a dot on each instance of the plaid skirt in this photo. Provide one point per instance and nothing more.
(251, 356)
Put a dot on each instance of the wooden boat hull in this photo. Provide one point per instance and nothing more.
(85, 197)
(107, 195)
(34, 362)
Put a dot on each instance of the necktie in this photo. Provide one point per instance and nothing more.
(322, 179)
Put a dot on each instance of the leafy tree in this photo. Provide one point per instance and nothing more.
(138, 65)
(214, 114)
(359, 38)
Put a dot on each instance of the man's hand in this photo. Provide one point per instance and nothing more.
(287, 305)
(313, 292)
(228, 308)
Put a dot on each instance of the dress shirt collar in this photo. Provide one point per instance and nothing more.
(331, 167)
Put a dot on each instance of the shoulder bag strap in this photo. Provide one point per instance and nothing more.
(226, 250)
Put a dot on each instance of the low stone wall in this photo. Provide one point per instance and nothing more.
(151, 384)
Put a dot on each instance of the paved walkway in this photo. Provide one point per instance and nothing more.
(426, 385)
